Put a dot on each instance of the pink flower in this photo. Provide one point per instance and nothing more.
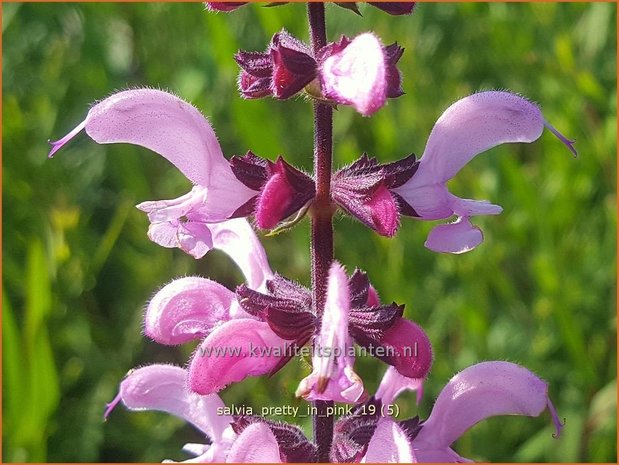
(256, 444)
(478, 392)
(177, 131)
(470, 126)
(163, 387)
(353, 313)
(258, 330)
(359, 72)
(235, 343)
(378, 194)
(333, 377)
(284, 190)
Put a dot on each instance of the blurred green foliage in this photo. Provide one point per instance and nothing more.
(78, 267)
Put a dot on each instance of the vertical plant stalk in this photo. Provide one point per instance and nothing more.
(321, 222)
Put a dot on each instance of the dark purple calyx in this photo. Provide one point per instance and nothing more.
(293, 65)
(284, 288)
(358, 288)
(352, 6)
(287, 310)
(393, 53)
(283, 70)
(366, 322)
(255, 77)
(282, 190)
(395, 8)
(367, 325)
(411, 427)
(224, 6)
(294, 447)
(352, 434)
(364, 190)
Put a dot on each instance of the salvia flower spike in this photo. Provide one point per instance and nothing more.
(257, 328)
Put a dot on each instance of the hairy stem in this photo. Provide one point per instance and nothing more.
(322, 215)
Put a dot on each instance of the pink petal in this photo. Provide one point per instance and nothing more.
(195, 239)
(173, 209)
(162, 387)
(232, 352)
(205, 205)
(357, 75)
(478, 392)
(475, 124)
(177, 131)
(393, 384)
(457, 237)
(164, 124)
(467, 207)
(411, 349)
(335, 316)
(234, 237)
(384, 212)
(238, 239)
(343, 386)
(389, 444)
(431, 202)
(256, 444)
(164, 234)
(447, 455)
(187, 309)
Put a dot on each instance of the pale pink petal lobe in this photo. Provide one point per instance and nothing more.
(194, 238)
(389, 444)
(457, 237)
(357, 75)
(256, 444)
(164, 234)
(163, 123)
(232, 352)
(475, 124)
(478, 392)
(393, 384)
(237, 239)
(163, 387)
(187, 309)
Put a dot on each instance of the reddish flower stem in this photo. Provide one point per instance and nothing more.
(322, 215)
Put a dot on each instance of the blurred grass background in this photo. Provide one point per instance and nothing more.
(78, 268)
